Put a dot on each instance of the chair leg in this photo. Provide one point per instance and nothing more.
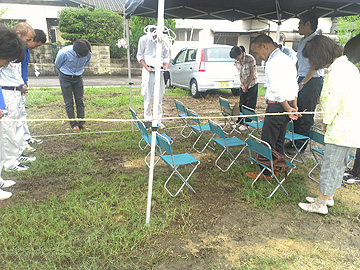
(309, 174)
(185, 181)
(230, 157)
(182, 132)
(206, 141)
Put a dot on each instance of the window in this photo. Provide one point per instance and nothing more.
(191, 55)
(180, 58)
(225, 39)
(186, 35)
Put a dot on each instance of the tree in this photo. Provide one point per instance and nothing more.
(138, 24)
(97, 26)
(348, 27)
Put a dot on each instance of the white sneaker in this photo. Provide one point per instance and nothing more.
(29, 148)
(314, 208)
(4, 194)
(329, 202)
(17, 168)
(34, 141)
(6, 183)
(243, 128)
(24, 159)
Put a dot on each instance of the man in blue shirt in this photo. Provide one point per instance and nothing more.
(310, 81)
(71, 61)
(38, 40)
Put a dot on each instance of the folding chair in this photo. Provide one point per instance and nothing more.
(225, 144)
(181, 111)
(292, 136)
(229, 121)
(198, 129)
(174, 162)
(145, 137)
(316, 136)
(264, 149)
(255, 124)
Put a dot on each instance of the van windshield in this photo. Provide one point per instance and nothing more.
(218, 55)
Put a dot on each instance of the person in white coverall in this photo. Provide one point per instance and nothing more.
(146, 55)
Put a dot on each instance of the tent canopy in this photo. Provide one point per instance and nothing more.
(244, 9)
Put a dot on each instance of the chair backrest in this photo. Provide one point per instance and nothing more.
(317, 137)
(262, 149)
(224, 106)
(191, 113)
(216, 129)
(141, 126)
(164, 143)
(249, 113)
(290, 126)
(133, 113)
(180, 107)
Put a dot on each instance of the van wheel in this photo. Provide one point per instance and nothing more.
(194, 89)
(235, 91)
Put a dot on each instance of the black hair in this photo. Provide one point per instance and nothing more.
(242, 48)
(40, 36)
(235, 52)
(352, 49)
(262, 38)
(310, 17)
(82, 47)
(11, 46)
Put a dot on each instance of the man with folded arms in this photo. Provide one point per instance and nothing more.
(281, 92)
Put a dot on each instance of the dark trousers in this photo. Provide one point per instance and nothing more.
(356, 168)
(307, 100)
(73, 87)
(274, 128)
(248, 99)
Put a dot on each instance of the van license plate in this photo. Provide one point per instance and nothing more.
(223, 84)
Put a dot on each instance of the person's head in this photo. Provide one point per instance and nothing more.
(321, 51)
(82, 47)
(24, 31)
(308, 23)
(38, 40)
(263, 46)
(11, 46)
(352, 49)
(236, 52)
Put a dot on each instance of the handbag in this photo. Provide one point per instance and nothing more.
(279, 161)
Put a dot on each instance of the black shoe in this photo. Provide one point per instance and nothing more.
(292, 151)
(288, 145)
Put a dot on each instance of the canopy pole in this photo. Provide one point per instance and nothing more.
(278, 14)
(159, 31)
(129, 64)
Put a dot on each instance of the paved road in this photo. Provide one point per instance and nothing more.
(53, 81)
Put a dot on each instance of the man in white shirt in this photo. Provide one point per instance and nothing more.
(281, 92)
(13, 85)
(146, 56)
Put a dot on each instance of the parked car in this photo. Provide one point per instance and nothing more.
(203, 68)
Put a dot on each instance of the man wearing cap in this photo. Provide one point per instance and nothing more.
(71, 61)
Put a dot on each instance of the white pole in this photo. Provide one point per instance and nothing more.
(277, 37)
(129, 65)
(159, 31)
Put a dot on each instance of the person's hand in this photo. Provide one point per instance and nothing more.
(324, 127)
(243, 87)
(294, 115)
(149, 69)
(24, 89)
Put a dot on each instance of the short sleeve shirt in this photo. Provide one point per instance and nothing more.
(244, 67)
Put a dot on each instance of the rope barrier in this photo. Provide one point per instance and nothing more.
(157, 119)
